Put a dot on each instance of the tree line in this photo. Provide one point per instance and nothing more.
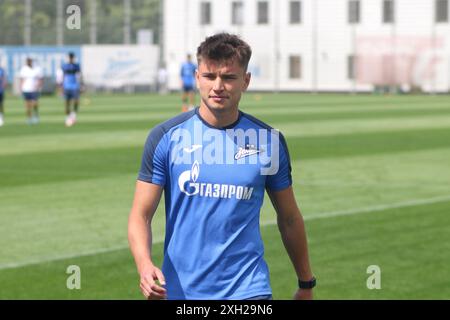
(144, 14)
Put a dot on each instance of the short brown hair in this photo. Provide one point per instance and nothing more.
(223, 47)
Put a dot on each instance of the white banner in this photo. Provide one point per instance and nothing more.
(115, 66)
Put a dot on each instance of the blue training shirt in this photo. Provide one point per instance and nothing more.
(187, 73)
(70, 81)
(214, 188)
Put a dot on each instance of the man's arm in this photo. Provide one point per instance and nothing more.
(59, 80)
(146, 200)
(40, 81)
(292, 229)
(80, 77)
(5, 82)
(22, 79)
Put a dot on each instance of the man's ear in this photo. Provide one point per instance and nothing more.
(248, 76)
(196, 78)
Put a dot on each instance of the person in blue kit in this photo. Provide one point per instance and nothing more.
(70, 85)
(214, 164)
(187, 75)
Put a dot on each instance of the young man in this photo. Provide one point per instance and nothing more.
(214, 164)
(2, 92)
(70, 85)
(31, 85)
(187, 74)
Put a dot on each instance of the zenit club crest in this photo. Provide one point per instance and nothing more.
(249, 150)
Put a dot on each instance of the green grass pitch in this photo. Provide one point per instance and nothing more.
(371, 175)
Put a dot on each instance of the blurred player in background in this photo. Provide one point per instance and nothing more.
(187, 74)
(2, 92)
(70, 81)
(162, 79)
(30, 85)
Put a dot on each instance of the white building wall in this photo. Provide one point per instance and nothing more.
(324, 39)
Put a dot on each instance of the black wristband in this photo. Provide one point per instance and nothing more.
(307, 284)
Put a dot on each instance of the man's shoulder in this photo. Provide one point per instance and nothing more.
(162, 128)
(256, 121)
(259, 124)
(68, 65)
(24, 71)
(38, 71)
(188, 65)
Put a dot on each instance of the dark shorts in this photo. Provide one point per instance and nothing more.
(188, 88)
(30, 95)
(1, 97)
(71, 94)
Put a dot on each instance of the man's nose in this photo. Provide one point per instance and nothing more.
(218, 84)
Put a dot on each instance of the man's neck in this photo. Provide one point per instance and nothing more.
(218, 119)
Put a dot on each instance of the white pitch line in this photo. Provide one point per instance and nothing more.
(340, 213)
(323, 215)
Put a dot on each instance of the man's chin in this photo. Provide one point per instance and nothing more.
(219, 107)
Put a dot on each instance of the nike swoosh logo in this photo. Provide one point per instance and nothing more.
(193, 148)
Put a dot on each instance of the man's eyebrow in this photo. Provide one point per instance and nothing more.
(227, 75)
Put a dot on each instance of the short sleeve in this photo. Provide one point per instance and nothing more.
(282, 179)
(154, 165)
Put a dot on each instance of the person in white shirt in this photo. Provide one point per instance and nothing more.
(162, 79)
(30, 85)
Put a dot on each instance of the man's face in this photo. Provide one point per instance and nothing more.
(221, 85)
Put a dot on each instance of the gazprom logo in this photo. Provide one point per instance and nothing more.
(187, 182)
(189, 176)
(195, 171)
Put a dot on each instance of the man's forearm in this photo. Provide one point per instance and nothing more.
(140, 240)
(294, 239)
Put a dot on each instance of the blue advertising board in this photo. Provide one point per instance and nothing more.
(49, 58)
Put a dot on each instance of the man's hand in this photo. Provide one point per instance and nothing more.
(149, 287)
(303, 294)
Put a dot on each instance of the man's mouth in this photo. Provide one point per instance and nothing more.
(218, 98)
